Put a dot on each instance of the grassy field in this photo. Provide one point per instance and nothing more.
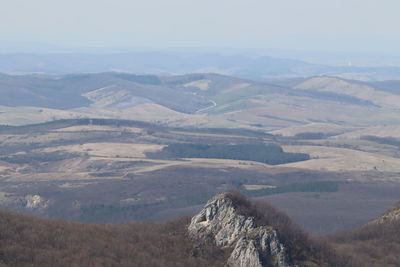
(343, 159)
(89, 170)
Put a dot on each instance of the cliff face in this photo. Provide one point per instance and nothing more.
(253, 246)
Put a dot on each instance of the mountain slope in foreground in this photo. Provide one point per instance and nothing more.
(374, 244)
(30, 241)
(230, 231)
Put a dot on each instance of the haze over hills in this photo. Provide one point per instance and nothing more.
(114, 146)
(262, 68)
(154, 133)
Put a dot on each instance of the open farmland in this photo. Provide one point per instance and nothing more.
(343, 159)
(113, 171)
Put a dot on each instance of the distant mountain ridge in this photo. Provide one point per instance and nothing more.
(171, 63)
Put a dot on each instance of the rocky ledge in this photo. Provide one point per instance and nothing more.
(252, 245)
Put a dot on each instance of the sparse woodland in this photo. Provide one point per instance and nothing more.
(31, 241)
(372, 245)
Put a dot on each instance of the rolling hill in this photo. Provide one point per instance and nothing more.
(201, 100)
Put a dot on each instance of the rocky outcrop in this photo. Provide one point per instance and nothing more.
(29, 202)
(392, 215)
(35, 202)
(253, 246)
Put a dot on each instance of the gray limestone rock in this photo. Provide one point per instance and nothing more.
(252, 246)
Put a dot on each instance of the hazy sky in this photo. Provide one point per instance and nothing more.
(330, 25)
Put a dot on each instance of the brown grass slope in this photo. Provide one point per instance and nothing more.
(374, 244)
(30, 241)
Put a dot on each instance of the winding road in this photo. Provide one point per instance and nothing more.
(214, 104)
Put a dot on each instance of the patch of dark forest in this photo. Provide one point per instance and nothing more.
(269, 154)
